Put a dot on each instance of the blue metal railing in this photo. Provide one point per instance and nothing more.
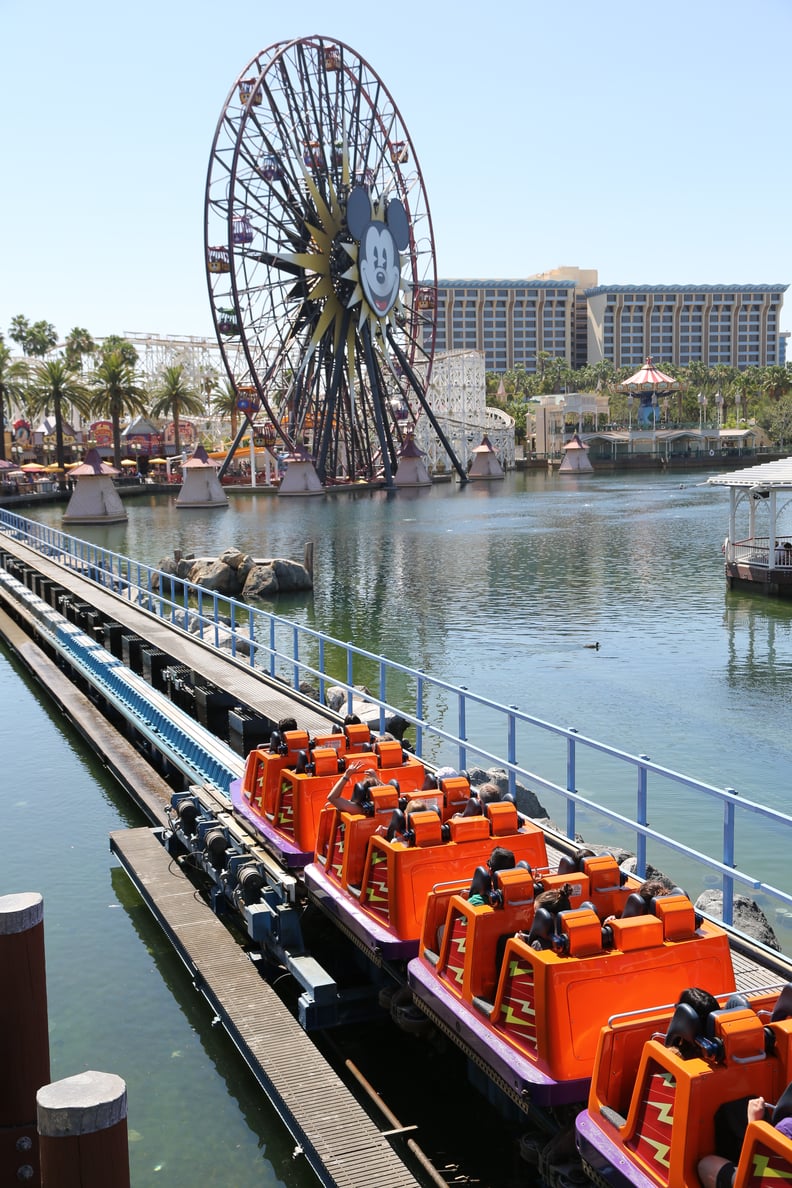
(484, 731)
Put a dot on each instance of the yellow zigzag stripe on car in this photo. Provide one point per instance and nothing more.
(664, 1111)
(761, 1168)
(527, 1010)
(662, 1150)
(375, 884)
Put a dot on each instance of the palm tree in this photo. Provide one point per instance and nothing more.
(78, 343)
(114, 342)
(174, 396)
(13, 377)
(116, 394)
(54, 385)
(225, 403)
(36, 340)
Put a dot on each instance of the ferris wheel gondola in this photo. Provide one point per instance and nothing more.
(315, 193)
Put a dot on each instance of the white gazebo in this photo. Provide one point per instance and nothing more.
(200, 485)
(485, 464)
(95, 499)
(758, 554)
(412, 470)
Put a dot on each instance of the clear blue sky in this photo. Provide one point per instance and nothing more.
(648, 141)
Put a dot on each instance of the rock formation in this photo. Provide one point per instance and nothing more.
(238, 575)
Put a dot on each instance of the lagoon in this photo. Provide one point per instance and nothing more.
(500, 587)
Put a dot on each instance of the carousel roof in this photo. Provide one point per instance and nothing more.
(766, 474)
(92, 464)
(648, 379)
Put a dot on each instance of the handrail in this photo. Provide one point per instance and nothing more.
(295, 653)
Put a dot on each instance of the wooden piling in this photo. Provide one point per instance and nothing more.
(308, 557)
(24, 1038)
(82, 1125)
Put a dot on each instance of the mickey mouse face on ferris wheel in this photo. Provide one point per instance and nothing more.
(379, 262)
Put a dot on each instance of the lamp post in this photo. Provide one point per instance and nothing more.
(737, 403)
(702, 403)
(630, 399)
(719, 403)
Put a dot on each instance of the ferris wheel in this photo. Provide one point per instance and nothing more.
(320, 258)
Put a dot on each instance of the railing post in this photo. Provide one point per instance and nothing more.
(232, 617)
(349, 675)
(728, 857)
(641, 818)
(383, 689)
(462, 729)
(511, 746)
(570, 782)
(252, 636)
(296, 655)
(419, 713)
(321, 670)
(272, 647)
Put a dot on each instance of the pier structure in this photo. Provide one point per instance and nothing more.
(61, 607)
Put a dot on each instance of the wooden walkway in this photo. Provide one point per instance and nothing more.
(251, 687)
(339, 1140)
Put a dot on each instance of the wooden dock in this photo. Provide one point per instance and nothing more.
(339, 1140)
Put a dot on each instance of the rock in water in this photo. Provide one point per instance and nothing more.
(748, 916)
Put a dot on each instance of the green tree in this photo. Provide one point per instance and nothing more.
(55, 385)
(779, 422)
(776, 381)
(116, 394)
(37, 340)
(224, 402)
(114, 342)
(13, 381)
(174, 397)
(78, 343)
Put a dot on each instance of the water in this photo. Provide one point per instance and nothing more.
(499, 587)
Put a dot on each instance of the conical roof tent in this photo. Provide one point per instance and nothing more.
(92, 464)
(410, 448)
(199, 459)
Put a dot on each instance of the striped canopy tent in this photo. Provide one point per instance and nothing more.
(647, 382)
(649, 379)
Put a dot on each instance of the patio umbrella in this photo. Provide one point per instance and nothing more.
(33, 468)
(53, 469)
(128, 462)
(6, 465)
(158, 461)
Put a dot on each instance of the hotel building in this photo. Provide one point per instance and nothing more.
(566, 314)
(735, 325)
